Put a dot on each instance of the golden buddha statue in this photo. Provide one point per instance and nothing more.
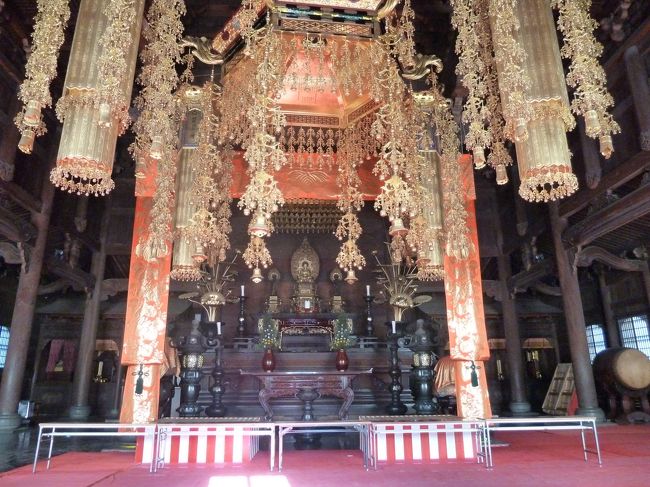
(304, 268)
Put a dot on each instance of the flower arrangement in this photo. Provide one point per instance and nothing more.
(341, 336)
(269, 332)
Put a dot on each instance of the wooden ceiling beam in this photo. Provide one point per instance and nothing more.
(618, 176)
(617, 214)
(21, 197)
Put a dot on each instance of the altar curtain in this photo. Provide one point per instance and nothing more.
(69, 349)
(145, 324)
(465, 314)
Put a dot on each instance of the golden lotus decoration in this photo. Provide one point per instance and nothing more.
(398, 281)
(214, 288)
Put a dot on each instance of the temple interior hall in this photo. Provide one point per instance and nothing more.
(321, 242)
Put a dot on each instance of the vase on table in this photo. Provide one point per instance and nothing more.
(268, 360)
(342, 361)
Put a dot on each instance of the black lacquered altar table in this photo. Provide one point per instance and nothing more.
(307, 385)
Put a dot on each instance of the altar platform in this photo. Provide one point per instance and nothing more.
(382, 439)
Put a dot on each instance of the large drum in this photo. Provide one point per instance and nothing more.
(623, 381)
(626, 368)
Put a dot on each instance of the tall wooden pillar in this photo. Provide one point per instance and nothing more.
(575, 321)
(637, 77)
(519, 405)
(9, 142)
(23, 315)
(611, 326)
(645, 275)
(468, 344)
(80, 409)
(590, 156)
(145, 325)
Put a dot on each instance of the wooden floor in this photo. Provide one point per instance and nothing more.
(530, 459)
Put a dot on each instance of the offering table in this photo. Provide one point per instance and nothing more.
(306, 385)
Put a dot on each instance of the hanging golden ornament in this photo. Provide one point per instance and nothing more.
(256, 253)
(116, 64)
(396, 200)
(209, 226)
(586, 75)
(432, 266)
(259, 225)
(349, 257)
(159, 118)
(457, 241)
(262, 195)
(511, 56)
(87, 149)
(543, 158)
(473, 72)
(48, 36)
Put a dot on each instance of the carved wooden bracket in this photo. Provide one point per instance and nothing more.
(532, 276)
(79, 279)
(15, 228)
(493, 289)
(588, 255)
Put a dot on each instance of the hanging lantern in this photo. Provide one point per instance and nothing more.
(351, 277)
(257, 276)
(259, 226)
(199, 256)
(87, 149)
(397, 228)
(544, 159)
(502, 174)
(26, 142)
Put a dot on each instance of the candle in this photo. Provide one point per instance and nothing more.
(367, 290)
(100, 368)
(307, 304)
(218, 327)
(242, 290)
(392, 326)
(499, 366)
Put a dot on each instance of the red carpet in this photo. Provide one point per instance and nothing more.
(532, 459)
